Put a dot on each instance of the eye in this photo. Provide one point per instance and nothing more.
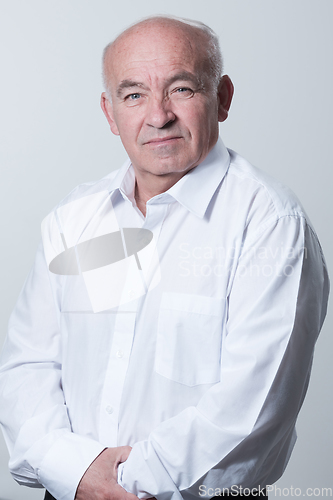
(133, 97)
(181, 92)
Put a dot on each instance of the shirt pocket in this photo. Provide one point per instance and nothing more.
(188, 346)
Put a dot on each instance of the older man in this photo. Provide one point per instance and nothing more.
(162, 344)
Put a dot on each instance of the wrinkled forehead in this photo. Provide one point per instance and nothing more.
(154, 45)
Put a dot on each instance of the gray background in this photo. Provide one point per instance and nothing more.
(54, 136)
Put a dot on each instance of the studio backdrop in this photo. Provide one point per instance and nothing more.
(54, 136)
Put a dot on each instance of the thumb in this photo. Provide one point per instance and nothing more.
(122, 455)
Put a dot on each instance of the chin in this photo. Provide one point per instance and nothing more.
(171, 170)
(172, 165)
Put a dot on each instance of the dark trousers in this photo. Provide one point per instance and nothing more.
(48, 496)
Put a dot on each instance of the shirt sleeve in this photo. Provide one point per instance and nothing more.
(241, 431)
(43, 449)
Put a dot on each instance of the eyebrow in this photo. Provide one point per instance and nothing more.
(127, 84)
(186, 76)
(182, 76)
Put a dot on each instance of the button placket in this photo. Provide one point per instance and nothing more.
(116, 373)
(121, 346)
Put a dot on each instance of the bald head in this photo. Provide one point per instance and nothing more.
(201, 41)
(165, 97)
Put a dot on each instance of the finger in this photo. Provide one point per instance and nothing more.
(122, 455)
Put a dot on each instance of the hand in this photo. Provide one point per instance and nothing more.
(99, 482)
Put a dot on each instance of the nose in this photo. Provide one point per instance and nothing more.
(159, 113)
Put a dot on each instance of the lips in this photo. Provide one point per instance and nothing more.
(162, 140)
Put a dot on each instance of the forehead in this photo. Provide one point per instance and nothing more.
(155, 51)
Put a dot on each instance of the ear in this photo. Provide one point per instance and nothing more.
(225, 92)
(108, 111)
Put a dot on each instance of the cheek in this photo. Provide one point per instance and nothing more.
(191, 120)
(129, 127)
(198, 116)
(126, 116)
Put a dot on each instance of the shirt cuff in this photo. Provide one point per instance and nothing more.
(144, 475)
(120, 473)
(66, 462)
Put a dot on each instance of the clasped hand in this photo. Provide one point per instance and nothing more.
(99, 482)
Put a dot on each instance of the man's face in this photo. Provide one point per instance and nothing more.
(164, 105)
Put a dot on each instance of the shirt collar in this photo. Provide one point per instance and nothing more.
(195, 190)
(202, 180)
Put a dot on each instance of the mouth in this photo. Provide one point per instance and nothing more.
(162, 141)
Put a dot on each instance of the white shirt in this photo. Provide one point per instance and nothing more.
(195, 349)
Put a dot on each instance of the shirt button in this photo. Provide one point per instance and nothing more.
(120, 354)
(109, 409)
(131, 293)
